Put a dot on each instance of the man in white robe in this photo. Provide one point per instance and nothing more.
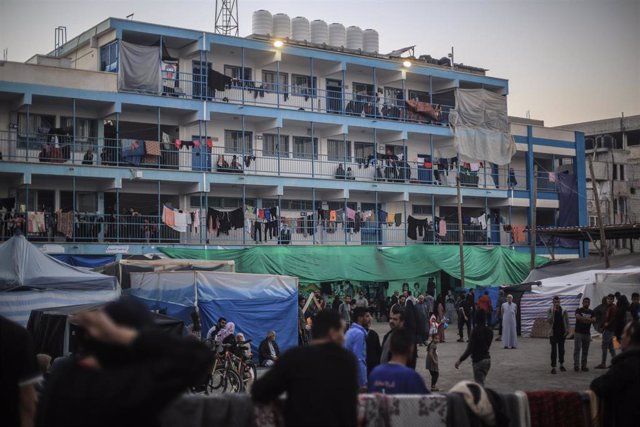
(509, 311)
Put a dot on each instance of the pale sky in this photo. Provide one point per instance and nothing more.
(566, 61)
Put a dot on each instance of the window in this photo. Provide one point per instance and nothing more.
(36, 128)
(109, 57)
(393, 96)
(618, 172)
(85, 128)
(85, 202)
(235, 72)
(339, 150)
(270, 83)
(593, 221)
(270, 147)
(334, 206)
(301, 85)
(362, 92)
(199, 70)
(619, 210)
(421, 210)
(419, 95)
(233, 142)
(362, 150)
(304, 148)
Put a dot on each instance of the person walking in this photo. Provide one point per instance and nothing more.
(559, 321)
(608, 328)
(432, 362)
(331, 386)
(582, 335)
(356, 341)
(478, 349)
(509, 311)
(619, 388)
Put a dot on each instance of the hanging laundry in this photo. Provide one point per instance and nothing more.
(178, 144)
(398, 218)
(391, 219)
(474, 167)
(180, 221)
(267, 215)
(552, 177)
(250, 212)
(351, 214)
(517, 233)
(483, 221)
(333, 216)
(261, 213)
(442, 227)
(168, 217)
(196, 220)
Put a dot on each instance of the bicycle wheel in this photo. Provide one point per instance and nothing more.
(216, 379)
(232, 382)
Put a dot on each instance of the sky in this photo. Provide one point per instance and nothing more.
(567, 61)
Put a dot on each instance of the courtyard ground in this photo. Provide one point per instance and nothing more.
(526, 368)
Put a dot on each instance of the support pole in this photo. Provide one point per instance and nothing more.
(603, 237)
(460, 232)
(532, 228)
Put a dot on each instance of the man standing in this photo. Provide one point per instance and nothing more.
(356, 341)
(620, 386)
(394, 298)
(430, 302)
(509, 312)
(559, 321)
(345, 311)
(471, 299)
(322, 376)
(399, 306)
(395, 377)
(361, 301)
(582, 335)
(478, 349)
(608, 329)
(422, 317)
(268, 351)
(449, 307)
(373, 349)
(396, 321)
(501, 300)
(464, 318)
(484, 303)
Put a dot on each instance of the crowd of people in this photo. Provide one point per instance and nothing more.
(125, 372)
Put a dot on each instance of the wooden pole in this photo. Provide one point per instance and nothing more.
(532, 228)
(603, 237)
(460, 232)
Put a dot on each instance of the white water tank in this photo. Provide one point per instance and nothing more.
(262, 23)
(319, 32)
(337, 35)
(281, 26)
(354, 38)
(370, 41)
(300, 29)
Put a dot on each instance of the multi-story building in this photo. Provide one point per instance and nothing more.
(614, 148)
(239, 123)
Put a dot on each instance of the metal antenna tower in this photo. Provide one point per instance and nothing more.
(227, 18)
(60, 38)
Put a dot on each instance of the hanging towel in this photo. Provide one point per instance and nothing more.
(517, 233)
(474, 167)
(261, 213)
(250, 212)
(333, 217)
(398, 218)
(180, 221)
(267, 215)
(483, 221)
(442, 228)
(178, 144)
(351, 214)
(391, 219)
(196, 219)
(552, 177)
(168, 217)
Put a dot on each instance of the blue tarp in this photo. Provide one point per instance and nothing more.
(88, 261)
(255, 303)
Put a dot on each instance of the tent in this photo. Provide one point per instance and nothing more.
(122, 269)
(255, 303)
(585, 278)
(88, 261)
(30, 279)
(316, 264)
(54, 335)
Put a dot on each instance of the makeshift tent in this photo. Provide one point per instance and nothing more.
(122, 269)
(255, 303)
(53, 334)
(30, 279)
(316, 264)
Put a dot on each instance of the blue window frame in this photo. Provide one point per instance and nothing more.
(109, 57)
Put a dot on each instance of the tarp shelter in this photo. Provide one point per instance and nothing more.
(87, 261)
(30, 279)
(575, 281)
(317, 264)
(53, 334)
(255, 303)
(122, 269)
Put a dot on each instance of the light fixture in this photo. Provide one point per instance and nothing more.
(278, 43)
(406, 63)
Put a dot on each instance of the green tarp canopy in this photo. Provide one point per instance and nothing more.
(315, 264)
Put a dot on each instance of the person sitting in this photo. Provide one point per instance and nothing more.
(268, 352)
(322, 375)
(88, 157)
(620, 386)
(125, 372)
(243, 348)
(340, 172)
(235, 164)
(226, 334)
(395, 377)
(350, 174)
(221, 164)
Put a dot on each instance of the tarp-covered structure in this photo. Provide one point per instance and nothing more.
(122, 269)
(316, 264)
(30, 279)
(52, 332)
(480, 128)
(255, 303)
(574, 280)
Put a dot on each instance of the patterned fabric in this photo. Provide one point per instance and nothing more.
(555, 409)
(431, 410)
(373, 411)
(152, 148)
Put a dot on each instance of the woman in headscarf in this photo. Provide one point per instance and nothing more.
(225, 336)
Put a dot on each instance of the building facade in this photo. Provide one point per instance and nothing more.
(320, 138)
(614, 148)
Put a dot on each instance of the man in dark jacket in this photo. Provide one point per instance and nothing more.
(478, 348)
(268, 351)
(125, 373)
(620, 386)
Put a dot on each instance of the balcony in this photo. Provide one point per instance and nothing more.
(299, 163)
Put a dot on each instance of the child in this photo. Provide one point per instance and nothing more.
(432, 361)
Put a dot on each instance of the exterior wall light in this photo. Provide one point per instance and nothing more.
(407, 63)
(278, 43)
